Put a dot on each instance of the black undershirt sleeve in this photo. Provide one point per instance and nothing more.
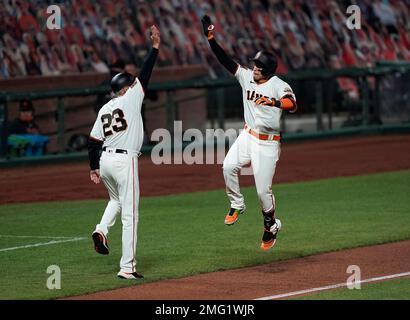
(222, 57)
(94, 153)
(146, 68)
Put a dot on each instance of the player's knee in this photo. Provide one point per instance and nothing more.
(229, 168)
(263, 192)
(128, 219)
(127, 222)
(116, 203)
(265, 198)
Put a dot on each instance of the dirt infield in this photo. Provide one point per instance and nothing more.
(299, 161)
(280, 277)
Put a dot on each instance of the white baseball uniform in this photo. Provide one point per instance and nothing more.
(262, 154)
(119, 124)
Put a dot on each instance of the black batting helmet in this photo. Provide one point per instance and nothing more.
(121, 80)
(267, 62)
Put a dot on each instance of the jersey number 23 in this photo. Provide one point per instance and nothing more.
(113, 122)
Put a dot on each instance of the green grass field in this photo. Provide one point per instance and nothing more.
(398, 289)
(184, 234)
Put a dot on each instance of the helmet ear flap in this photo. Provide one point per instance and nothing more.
(269, 72)
(259, 64)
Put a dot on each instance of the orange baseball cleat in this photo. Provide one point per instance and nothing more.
(233, 216)
(269, 236)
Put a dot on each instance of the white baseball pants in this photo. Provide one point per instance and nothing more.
(119, 172)
(263, 155)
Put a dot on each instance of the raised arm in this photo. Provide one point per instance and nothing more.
(148, 65)
(220, 53)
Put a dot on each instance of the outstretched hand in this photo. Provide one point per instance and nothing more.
(207, 26)
(155, 36)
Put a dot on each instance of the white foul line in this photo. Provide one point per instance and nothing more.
(43, 244)
(334, 286)
(37, 237)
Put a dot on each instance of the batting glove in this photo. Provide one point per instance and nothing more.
(263, 101)
(207, 26)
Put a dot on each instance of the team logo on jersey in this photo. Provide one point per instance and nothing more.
(252, 96)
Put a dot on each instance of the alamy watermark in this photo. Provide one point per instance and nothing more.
(54, 280)
(354, 281)
(54, 18)
(250, 153)
(353, 22)
(169, 149)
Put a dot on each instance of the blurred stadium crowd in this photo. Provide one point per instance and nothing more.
(96, 34)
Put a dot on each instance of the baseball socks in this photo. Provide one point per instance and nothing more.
(271, 227)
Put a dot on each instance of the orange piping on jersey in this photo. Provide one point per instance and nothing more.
(133, 262)
(288, 104)
(237, 68)
(135, 82)
(96, 140)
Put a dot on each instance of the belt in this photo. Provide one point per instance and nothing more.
(116, 150)
(262, 136)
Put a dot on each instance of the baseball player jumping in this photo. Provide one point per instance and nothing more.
(118, 132)
(264, 98)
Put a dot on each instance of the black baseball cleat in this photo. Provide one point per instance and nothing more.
(132, 276)
(100, 242)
